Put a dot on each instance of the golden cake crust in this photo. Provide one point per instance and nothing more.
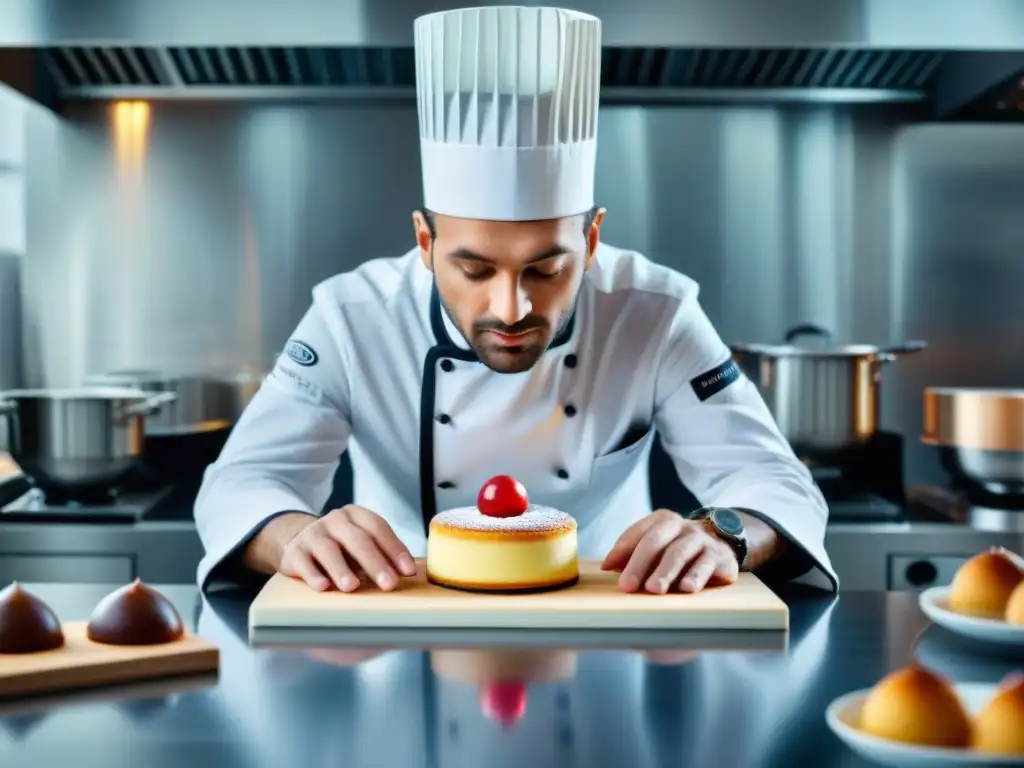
(520, 586)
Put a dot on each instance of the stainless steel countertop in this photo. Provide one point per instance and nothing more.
(343, 705)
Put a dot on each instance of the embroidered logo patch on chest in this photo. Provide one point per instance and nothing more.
(301, 353)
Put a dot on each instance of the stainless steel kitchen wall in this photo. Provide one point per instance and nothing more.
(958, 271)
(14, 111)
(190, 237)
(10, 325)
(187, 236)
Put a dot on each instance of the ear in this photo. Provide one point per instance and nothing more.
(594, 237)
(422, 239)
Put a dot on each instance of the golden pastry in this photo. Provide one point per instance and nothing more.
(982, 586)
(916, 706)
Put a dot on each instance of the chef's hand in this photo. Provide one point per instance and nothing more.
(343, 546)
(665, 551)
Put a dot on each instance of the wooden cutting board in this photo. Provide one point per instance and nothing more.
(595, 602)
(82, 663)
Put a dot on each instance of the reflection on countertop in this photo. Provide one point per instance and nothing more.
(622, 699)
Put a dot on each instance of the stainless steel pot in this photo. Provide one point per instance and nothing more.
(202, 403)
(823, 397)
(980, 433)
(77, 438)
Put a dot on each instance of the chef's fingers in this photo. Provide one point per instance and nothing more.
(728, 570)
(385, 537)
(618, 555)
(641, 562)
(361, 547)
(328, 554)
(700, 571)
(298, 563)
(674, 561)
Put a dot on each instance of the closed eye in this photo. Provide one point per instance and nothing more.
(546, 274)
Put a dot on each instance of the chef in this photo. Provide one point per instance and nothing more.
(508, 340)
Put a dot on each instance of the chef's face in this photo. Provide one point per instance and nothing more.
(509, 287)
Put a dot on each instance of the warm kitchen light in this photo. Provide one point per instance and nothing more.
(130, 126)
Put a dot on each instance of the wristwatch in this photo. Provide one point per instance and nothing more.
(727, 525)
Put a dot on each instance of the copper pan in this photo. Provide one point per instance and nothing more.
(980, 432)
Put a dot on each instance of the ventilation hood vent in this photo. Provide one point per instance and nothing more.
(939, 53)
(123, 72)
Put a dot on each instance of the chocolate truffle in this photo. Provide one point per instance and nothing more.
(27, 624)
(134, 615)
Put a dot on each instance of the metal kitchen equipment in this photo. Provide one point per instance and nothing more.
(11, 371)
(38, 506)
(77, 440)
(202, 403)
(979, 433)
(824, 398)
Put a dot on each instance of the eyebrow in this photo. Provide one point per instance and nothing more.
(464, 254)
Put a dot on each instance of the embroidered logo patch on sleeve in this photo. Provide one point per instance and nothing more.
(714, 381)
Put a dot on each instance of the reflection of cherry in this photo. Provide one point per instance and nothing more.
(502, 496)
(504, 702)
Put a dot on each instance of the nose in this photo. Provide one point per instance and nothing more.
(508, 301)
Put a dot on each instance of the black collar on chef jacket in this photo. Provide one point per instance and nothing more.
(447, 349)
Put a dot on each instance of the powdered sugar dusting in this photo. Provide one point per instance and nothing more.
(535, 518)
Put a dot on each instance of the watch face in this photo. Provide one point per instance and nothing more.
(729, 521)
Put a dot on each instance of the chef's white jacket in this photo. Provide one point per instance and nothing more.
(376, 367)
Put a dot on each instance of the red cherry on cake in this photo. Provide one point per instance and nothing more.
(502, 496)
(504, 702)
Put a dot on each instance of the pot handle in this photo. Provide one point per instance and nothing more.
(888, 354)
(807, 329)
(150, 405)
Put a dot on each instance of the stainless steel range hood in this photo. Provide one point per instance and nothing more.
(837, 50)
(211, 71)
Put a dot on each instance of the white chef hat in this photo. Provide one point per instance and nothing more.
(508, 102)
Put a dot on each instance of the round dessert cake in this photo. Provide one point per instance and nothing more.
(504, 544)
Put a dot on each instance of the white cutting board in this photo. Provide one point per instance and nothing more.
(594, 603)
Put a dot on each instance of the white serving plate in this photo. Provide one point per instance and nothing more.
(934, 604)
(843, 715)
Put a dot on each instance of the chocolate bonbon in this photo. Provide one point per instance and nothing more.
(135, 614)
(27, 624)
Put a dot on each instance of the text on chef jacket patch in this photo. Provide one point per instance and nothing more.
(714, 381)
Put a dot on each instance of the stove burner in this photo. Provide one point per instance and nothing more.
(79, 497)
(863, 484)
(864, 508)
(113, 507)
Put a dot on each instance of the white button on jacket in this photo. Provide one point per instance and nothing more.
(376, 368)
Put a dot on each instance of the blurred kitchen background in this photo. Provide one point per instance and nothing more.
(175, 178)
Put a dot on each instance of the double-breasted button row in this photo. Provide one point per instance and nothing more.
(570, 410)
(570, 361)
(447, 485)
